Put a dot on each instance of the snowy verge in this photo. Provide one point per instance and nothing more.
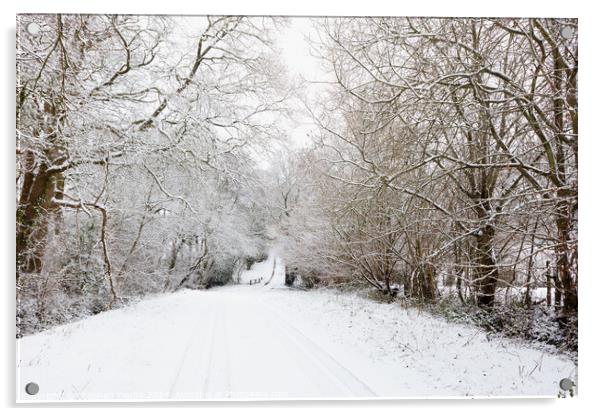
(412, 353)
(250, 342)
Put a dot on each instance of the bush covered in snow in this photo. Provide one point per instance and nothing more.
(514, 319)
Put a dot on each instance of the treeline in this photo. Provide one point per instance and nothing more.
(443, 166)
(445, 162)
(137, 139)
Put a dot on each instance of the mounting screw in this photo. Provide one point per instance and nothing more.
(566, 384)
(33, 28)
(567, 32)
(32, 389)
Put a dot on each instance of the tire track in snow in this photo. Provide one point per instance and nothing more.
(209, 357)
(186, 354)
(217, 383)
(320, 357)
(226, 352)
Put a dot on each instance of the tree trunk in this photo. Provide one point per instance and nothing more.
(33, 214)
(563, 266)
(486, 270)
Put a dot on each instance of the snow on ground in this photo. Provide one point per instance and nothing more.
(271, 272)
(411, 353)
(258, 342)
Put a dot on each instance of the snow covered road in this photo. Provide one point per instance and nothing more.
(191, 345)
(253, 342)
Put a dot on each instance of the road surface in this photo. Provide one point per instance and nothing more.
(269, 342)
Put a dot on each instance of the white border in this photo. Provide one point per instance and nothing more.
(589, 214)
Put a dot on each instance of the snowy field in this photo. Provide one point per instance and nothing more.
(270, 342)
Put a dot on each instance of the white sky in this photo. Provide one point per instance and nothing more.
(292, 40)
(296, 53)
(296, 49)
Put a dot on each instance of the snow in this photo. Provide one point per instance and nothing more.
(271, 342)
(410, 353)
(271, 272)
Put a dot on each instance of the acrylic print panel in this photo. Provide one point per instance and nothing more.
(227, 208)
